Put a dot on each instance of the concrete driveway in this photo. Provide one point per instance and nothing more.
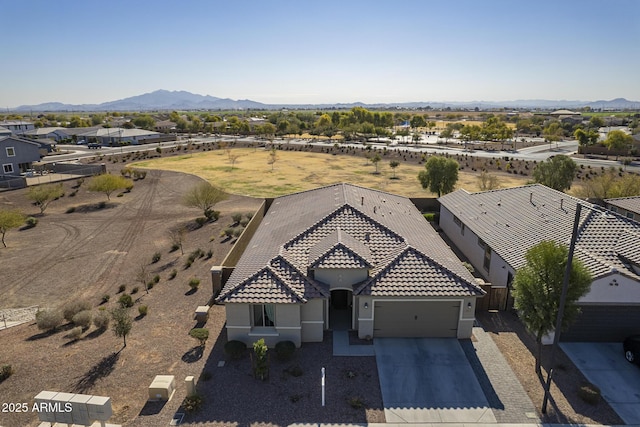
(429, 380)
(604, 365)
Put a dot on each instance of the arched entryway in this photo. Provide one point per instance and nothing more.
(340, 308)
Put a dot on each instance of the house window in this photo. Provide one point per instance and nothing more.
(613, 209)
(481, 243)
(457, 221)
(8, 168)
(630, 215)
(487, 258)
(462, 229)
(11, 152)
(264, 315)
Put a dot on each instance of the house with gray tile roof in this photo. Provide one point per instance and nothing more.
(495, 229)
(344, 252)
(626, 206)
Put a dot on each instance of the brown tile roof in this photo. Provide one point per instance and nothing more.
(630, 204)
(338, 226)
(513, 220)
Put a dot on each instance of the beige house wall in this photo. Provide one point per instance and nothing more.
(613, 289)
(312, 320)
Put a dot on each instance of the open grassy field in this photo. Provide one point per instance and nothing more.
(297, 171)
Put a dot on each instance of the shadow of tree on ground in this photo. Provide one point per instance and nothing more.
(100, 370)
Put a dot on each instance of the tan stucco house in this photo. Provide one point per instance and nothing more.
(347, 257)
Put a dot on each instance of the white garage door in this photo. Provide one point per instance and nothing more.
(416, 319)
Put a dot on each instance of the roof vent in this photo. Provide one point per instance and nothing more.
(531, 197)
(374, 209)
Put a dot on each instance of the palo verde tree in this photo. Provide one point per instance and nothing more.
(375, 159)
(556, 172)
(9, 219)
(537, 288)
(42, 195)
(617, 140)
(122, 323)
(393, 164)
(107, 184)
(204, 196)
(440, 175)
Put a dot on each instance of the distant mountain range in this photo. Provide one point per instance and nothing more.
(182, 100)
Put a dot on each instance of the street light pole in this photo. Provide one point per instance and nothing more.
(563, 298)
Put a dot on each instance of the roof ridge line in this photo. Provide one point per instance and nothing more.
(282, 279)
(311, 281)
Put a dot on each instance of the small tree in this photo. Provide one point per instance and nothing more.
(261, 363)
(9, 219)
(538, 285)
(42, 195)
(617, 140)
(142, 276)
(101, 320)
(556, 172)
(204, 196)
(177, 238)
(107, 184)
(393, 164)
(440, 175)
(375, 159)
(201, 334)
(122, 323)
(487, 181)
(273, 157)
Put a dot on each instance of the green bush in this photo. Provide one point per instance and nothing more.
(209, 254)
(125, 301)
(212, 215)
(234, 349)
(355, 402)
(134, 290)
(192, 403)
(249, 215)
(156, 278)
(244, 222)
(49, 319)
(173, 274)
(194, 283)
(5, 372)
(72, 308)
(236, 217)
(237, 232)
(284, 350)
(101, 320)
(83, 319)
(105, 298)
(121, 288)
(156, 257)
(201, 220)
(174, 247)
(75, 333)
(31, 222)
(143, 310)
(187, 264)
(228, 232)
(201, 334)
(589, 393)
(150, 285)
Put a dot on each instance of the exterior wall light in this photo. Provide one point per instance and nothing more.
(366, 305)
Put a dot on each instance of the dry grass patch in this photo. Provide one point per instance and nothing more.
(298, 171)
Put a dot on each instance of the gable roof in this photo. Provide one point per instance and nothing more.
(631, 204)
(17, 140)
(340, 226)
(513, 220)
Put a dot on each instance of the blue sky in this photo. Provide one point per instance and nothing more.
(298, 51)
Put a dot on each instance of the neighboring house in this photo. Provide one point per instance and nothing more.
(53, 133)
(115, 136)
(4, 131)
(165, 126)
(17, 155)
(625, 206)
(495, 229)
(347, 257)
(17, 127)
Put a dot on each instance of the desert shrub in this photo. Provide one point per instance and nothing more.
(249, 215)
(75, 333)
(173, 274)
(212, 215)
(295, 371)
(174, 247)
(284, 350)
(31, 222)
(355, 402)
(192, 403)
(209, 254)
(105, 298)
(71, 209)
(150, 285)
(139, 174)
(201, 220)
(49, 319)
(201, 334)
(156, 278)
(244, 222)
(121, 288)
(228, 232)
(125, 301)
(83, 319)
(134, 290)
(234, 349)
(198, 253)
(589, 393)
(5, 372)
(143, 310)
(237, 232)
(194, 283)
(156, 257)
(101, 320)
(187, 264)
(72, 308)
(236, 218)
